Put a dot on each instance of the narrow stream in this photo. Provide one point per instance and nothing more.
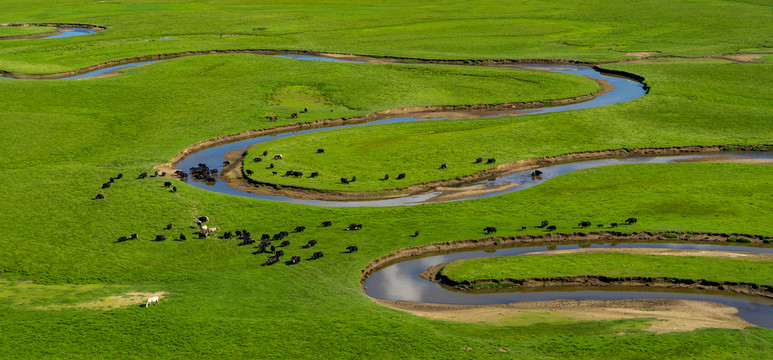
(400, 281)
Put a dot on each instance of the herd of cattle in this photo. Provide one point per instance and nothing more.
(546, 225)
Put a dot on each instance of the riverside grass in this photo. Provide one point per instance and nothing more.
(63, 139)
(7, 31)
(590, 30)
(754, 270)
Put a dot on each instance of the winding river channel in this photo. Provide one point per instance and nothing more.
(400, 280)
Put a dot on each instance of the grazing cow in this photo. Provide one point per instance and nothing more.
(320, 151)
(316, 255)
(443, 166)
(543, 224)
(352, 248)
(168, 227)
(344, 181)
(584, 224)
(119, 176)
(105, 185)
(306, 109)
(202, 235)
(272, 249)
(354, 178)
(204, 218)
(284, 243)
(112, 179)
(310, 244)
(523, 228)
(327, 223)
(247, 241)
(294, 260)
(261, 249)
(386, 177)
(536, 173)
(490, 229)
(552, 228)
(279, 253)
(600, 225)
(300, 228)
(631, 221)
(294, 116)
(211, 230)
(354, 227)
(257, 159)
(265, 237)
(314, 174)
(122, 239)
(160, 238)
(297, 174)
(478, 160)
(416, 233)
(613, 225)
(401, 176)
(168, 184)
(249, 172)
(271, 118)
(143, 175)
(182, 237)
(278, 157)
(277, 237)
(99, 197)
(132, 236)
(271, 261)
(289, 173)
(174, 189)
(491, 161)
(271, 166)
(152, 300)
(228, 235)
(265, 153)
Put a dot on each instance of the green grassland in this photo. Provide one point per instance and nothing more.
(63, 139)
(585, 30)
(691, 103)
(24, 30)
(752, 270)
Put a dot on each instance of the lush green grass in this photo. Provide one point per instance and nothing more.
(24, 30)
(583, 30)
(752, 270)
(691, 103)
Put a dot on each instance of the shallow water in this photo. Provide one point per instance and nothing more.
(400, 281)
(70, 32)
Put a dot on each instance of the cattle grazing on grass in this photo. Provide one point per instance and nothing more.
(120, 176)
(491, 161)
(203, 218)
(314, 174)
(278, 157)
(249, 172)
(344, 181)
(552, 228)
(443, 166)
(272, 249)
(105, 185)
(265, 237)
(174, 189)
(478, 160)
(523, 228)
(167, 184)
(536, 173)
(122, 239)
(543, 224)
(320, 151)
(490, 229)
(316, 255)
(599, 225)
(143, 175)
(327, 223)
(99, 197)
(386, 177)
(265, 153)
(613, 225)
(133, 236)
(182, 237)
(112, 179)
(152, 300)
(401, 176)
(271, 118)
(271, 261)
(247, 241)
(271, 166)
(630, 221)
(160, 238)
(284, 243)
(354, 178)
(294, 260)
(352, 248)
(584, 224)
(227, 235)
(416, 233)
(279, 253)
(168, 227)
(354, 227)
(257, 159)
(310, 244)
(300, 228)
(294, 116)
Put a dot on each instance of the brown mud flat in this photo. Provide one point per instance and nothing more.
(53, 32)
(670, 314)
(596, 236)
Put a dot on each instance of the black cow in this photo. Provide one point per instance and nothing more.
(278, 236)
(316, 255)
(584, 224)
(265, 153)
(112, 179)
(265, 237)
(344, 181)
(600, 225)
(300, 228)
(443, 166)
(491, 161)
(401, 176)
(271, 261)
(543, 224)
(228, 235)
(174, 189)
(168, 227)
(523, 228)
(272, 249)
(310, 244)
(354, 227)
(99, 197)
(247, 241)
(327, 223)
(314, 174)
(613, 225)
(478, 160)
(119, 176)
(279, 253)
(352, 249)
(168, 184)
(631, 221)
(552, 228)
(143, 175)
(320, 151)
(294, 260)
(416, 233)
(284, 243)
(132, 236)
(536, 173)
(106, 185)
(257, 159)
(249, 172)
(182, 237)
(203, 218)
(354, 178)
(160, 238)
(122, 239)
(261, 249)
(490, 229)
(271, 166)
(386, 177)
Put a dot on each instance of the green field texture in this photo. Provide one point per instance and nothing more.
(617, 265)
(6, 31)
(581, 30)
(690, 103)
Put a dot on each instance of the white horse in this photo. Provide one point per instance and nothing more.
(151, 300)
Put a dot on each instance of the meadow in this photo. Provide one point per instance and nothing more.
(61, 268)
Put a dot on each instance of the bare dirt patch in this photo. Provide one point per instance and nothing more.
(742, 58)
(655, 251)
(110, 302)
(731, 159)
(641, 53)
(671, 314)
